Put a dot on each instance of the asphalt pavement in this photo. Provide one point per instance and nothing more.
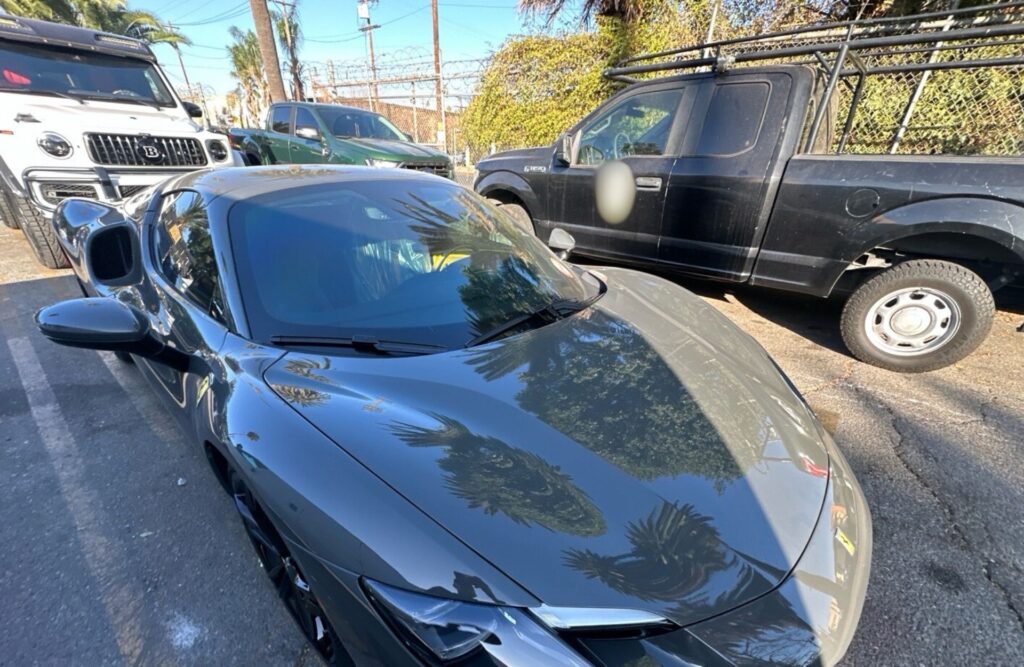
(119, 546)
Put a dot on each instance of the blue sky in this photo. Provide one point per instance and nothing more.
(468, 29)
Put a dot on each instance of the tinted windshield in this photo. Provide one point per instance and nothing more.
(419, 262)
(346, 123)
(45, 70)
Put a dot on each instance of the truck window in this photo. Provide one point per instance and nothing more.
(733, 119)
(281, 119)
(637, 125)
(304, 120)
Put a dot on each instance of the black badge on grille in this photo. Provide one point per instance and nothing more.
(149, 150)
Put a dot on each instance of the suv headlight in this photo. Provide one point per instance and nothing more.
(218, 151)
(382, 164)
(446, 630)
(54, 145)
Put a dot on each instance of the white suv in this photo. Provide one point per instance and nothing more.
(87, 114)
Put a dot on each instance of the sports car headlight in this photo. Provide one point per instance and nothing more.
(54, 145)
(446, 630)
(381, 164)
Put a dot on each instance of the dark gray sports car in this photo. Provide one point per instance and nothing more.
(448, 445)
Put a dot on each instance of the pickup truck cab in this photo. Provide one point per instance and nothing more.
(727, 189)
(303, 133)
(87, 114)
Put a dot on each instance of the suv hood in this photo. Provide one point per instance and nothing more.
(643, 454)
(68, 117)
(404, 151)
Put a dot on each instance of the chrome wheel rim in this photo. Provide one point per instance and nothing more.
(912, 321)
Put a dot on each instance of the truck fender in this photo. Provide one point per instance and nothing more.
(497, 182)
(983, 217)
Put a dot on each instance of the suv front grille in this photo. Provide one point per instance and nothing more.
(144, 150)
(128, 190)
(436, 168)
(55, 193)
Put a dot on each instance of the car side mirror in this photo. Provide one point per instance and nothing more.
(192, 109)
(561, 242)
(563, 150)
(106, 324)
(310, 133)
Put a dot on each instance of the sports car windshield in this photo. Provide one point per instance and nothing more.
(42, 70)
(425, 263)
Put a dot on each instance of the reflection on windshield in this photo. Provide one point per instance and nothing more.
(78, 74)
(431, 263)
(496, 477)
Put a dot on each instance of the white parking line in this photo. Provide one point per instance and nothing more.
(102, 554)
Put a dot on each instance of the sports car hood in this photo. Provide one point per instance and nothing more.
(642, 454)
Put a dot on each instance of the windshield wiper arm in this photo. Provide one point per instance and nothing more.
(549, 312)
(359, 344)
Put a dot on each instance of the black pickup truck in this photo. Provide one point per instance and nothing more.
(735, 181)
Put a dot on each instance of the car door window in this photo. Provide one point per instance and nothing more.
(304, 119)
(281, 119)
(184, 252)
(637, 125)
(734, 118)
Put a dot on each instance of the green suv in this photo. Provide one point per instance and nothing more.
(304, 133)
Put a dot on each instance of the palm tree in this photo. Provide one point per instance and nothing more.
(247, 69)
(628, 10)
(290, 35)
(268, 49)
(111, 16)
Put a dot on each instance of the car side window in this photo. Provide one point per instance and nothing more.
(637, 125)
(304, 119)
(184, 252)
(733, 120)
(281, 119)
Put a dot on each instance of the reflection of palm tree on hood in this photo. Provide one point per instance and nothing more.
(675, 552)
(491, 475)
(610, 390)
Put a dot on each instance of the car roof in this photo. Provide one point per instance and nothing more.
(17, 28)
(242, 182)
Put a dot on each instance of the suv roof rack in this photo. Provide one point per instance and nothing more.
(34, 31)
(858, 48)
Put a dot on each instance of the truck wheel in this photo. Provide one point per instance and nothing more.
(517, 213)
(40, 234)
(918, 316)
(6, 214)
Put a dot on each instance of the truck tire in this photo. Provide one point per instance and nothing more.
(517, 213)
(6, 214)
(40, 234)
(918, 316)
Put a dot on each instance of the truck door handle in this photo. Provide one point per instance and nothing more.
(652, 183)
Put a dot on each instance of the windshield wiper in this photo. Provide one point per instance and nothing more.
(104, 97)
(55, 93)
(359, 344)
(547, 313)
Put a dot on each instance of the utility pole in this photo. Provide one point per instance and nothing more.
(363, 11)
(439, 102)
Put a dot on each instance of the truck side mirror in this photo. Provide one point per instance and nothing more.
(561, 242)
(563, 150)
(192, 109)
(310, 133)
